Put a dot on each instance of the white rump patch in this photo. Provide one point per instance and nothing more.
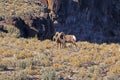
(74, 37)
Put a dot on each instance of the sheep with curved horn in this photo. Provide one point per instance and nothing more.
(59, 38)
(62, 39)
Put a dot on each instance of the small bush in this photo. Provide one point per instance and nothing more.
(24, 54)
(2, 66)
(22, 64)
(48, 74)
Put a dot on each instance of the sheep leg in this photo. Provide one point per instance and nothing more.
(59, 46)
(75, 44)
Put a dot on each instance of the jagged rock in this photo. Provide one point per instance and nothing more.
(57, 9)
(30, 26)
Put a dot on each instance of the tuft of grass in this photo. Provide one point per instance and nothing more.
(31, 71)
(110, 60)
(20, 75)
(48, 74)
(23, 55)
(8, 53)
(2, 66)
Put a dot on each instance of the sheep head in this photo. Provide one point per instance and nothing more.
(59, 38)
(56, 36)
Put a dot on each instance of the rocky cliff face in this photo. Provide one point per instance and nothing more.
(92, 20)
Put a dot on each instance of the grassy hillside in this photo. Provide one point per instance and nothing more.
(16, 8)
(31, 58)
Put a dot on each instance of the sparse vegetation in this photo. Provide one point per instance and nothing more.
(36, 58)
(15, 8)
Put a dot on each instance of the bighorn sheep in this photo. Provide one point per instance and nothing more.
(59, 37)
(70, 39)
(62, 39)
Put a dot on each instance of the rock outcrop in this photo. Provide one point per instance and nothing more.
(57, 9)
(30, 26)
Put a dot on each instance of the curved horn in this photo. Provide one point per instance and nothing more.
(62, 35)
(56, 36)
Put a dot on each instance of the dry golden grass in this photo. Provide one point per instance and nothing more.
(11, 8)
(8, 53)
(22, 53)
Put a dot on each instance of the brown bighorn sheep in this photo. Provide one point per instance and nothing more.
(62, 39)
(59, 37)
(70, 39)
